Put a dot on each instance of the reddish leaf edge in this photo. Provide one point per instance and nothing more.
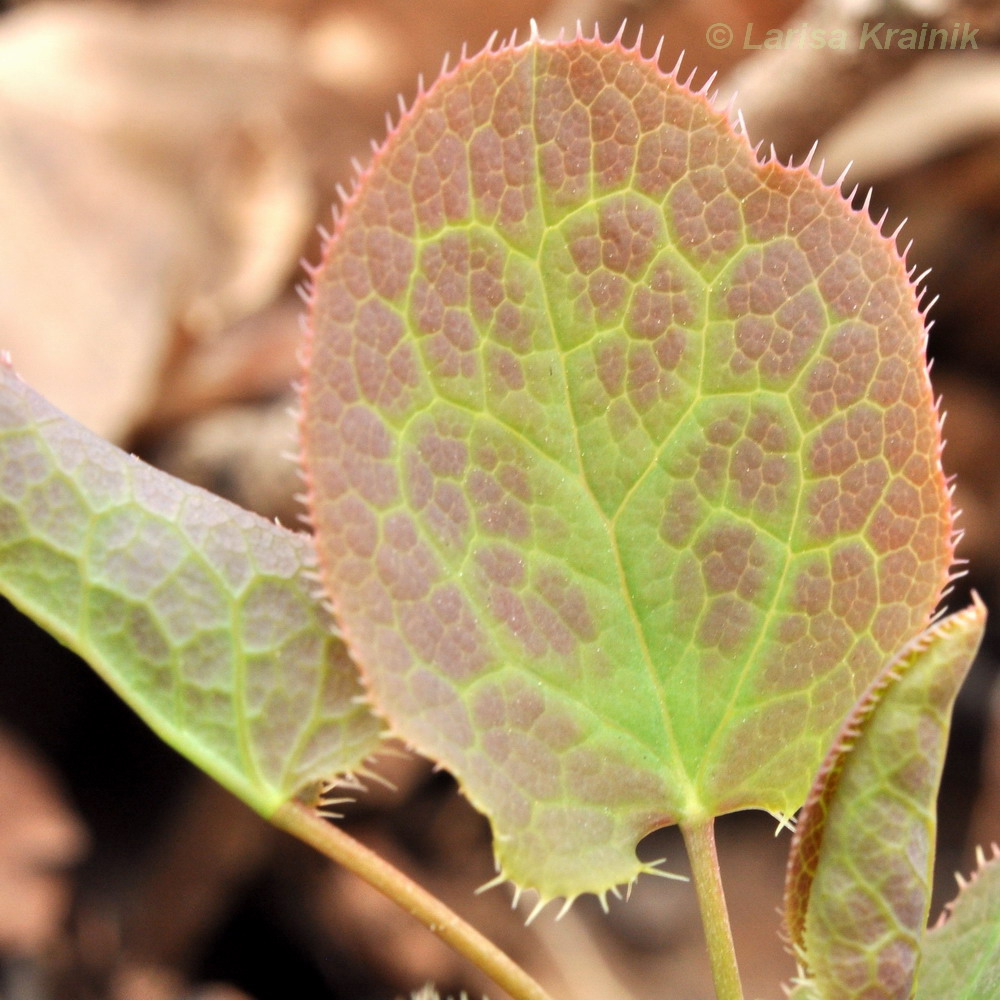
(811, 820)
(349, 195)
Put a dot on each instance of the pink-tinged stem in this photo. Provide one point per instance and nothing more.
(301, 821)
(699, 838)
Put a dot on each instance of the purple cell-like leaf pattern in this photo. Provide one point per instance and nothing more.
(623, 460)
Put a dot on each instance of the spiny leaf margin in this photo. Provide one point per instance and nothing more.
(860, 868)
(961, 953)
(593, 845)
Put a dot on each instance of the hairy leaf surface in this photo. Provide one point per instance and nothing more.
(860, 869)
(961, 956)
(623, 458)
(196, 612)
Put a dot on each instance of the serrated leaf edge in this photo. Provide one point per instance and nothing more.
(982, 861)
(348, 196)
(811, 817)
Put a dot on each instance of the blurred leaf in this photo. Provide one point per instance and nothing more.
(199, 614)
(860, 870)
(961, 956)
(148, 172)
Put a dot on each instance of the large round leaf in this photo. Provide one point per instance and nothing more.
(623, 460)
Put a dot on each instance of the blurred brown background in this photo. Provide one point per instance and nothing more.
(163, 168)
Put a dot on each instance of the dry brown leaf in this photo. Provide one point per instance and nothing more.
(798, 92)
(85, 242)
(148, 180)
(945, 103)
(254, 359)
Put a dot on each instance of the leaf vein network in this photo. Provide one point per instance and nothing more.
(585, 482)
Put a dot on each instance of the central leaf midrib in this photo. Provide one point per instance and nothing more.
(634, 618)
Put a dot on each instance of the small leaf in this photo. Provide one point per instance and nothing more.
(961, 955)
(623, 459)
(199, 614)
(859, 876)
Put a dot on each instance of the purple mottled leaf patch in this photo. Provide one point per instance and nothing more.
(622, 456)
